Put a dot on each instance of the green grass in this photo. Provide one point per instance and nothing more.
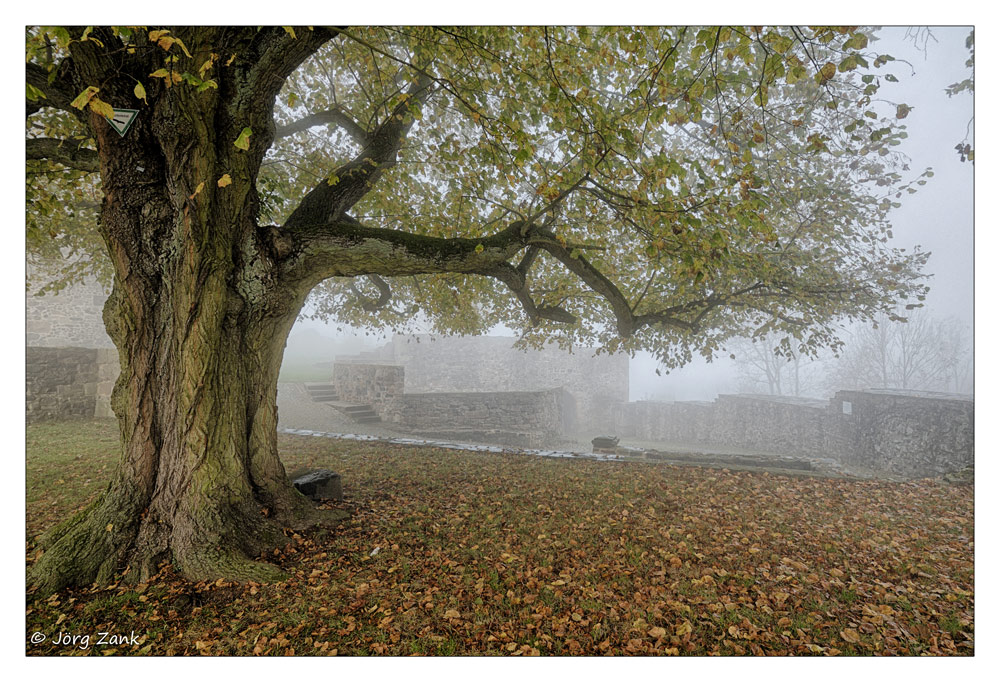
(536, 555)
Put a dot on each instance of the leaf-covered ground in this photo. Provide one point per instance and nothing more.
(456, 553)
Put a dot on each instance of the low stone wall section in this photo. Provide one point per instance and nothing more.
(68, 383)
(597, 383)
(908, 434)
(517, 418)
(377, 385)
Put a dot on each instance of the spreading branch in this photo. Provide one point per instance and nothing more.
(65, 152)
(331, 199)
(384, 294)
(337, 116)
(58, 94)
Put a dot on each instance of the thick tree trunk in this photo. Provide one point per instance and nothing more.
(200, 316)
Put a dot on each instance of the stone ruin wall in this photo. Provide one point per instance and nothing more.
(70, 318)
(596, 384)
(906, 434)
(912, 434)
(65, 383)
(516, 418)
(369, 384)
(70, 362)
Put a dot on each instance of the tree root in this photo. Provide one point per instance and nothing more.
(112, 532)
(86, 548)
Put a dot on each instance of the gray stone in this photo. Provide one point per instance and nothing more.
(320, 485)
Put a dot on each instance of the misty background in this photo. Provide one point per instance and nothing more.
(932, 352)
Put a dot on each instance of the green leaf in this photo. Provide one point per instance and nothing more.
(33, 93)
(243, 141)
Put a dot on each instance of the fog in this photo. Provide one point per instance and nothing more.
(938, 218)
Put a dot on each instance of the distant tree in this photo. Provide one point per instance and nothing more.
(921, 353)
(774, 365)
(633, 188)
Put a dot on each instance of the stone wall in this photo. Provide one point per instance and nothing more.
(907, 434)
(678, 422)
(596, 383)
(67, 383)
(783, 425)
(515, 418)
(368, 384)
(71, 318)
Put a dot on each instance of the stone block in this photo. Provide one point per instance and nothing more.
(320, 485)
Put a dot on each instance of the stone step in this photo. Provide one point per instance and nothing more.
(362, 414)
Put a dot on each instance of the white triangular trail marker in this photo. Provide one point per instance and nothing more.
(123, 120)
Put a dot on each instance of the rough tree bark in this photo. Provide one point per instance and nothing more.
(199, 314)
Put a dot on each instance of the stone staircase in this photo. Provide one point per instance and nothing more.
(326, 393)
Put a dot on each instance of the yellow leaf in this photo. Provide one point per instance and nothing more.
(183, 46)
(109, 527)
(683, 629)
(84, 97)
(154, 36)
(102, 107)
(850, 636)
(197, 190)
(225, 180)
(140, 92)
(207, 65)
(290, 31)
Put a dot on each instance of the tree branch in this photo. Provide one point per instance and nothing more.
(515, 280)
(58, 94)
(346, 248)
(384, 294)
(328, 202)
(337, 116)
(66, 152)
(275, 54)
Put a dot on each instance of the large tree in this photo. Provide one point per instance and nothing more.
(656, 188)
